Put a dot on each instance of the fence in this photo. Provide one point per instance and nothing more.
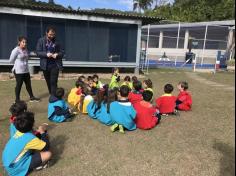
(167, 45)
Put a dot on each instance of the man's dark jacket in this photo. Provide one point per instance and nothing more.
(41, 52)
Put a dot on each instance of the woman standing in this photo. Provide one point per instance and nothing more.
(19, 57)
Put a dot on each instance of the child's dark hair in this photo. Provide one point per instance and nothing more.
(18, 108)
(106, 88)
(86, 90)
(98, 99)
(79, 84)
(184, 85)
(81, 78)
(168, 88)
(148, 82)
(90, 78)
(95, 76)
(115, 69)
(147, 95)
(137, 85)
(134, 78)
(20, 38)
(127, 78)
(112, 96)
(124, 91)
(24, 122)
(60, 92)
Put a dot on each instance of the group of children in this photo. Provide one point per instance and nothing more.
(122, 106)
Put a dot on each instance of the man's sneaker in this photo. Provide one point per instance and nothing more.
(34, 99)
(114, 127)
(121, 129)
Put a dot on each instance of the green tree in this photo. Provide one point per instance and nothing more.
(142, 5)
(197, 10)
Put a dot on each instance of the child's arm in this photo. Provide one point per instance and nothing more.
(158, 103)
(60, 111)
(132, 112)
(42, 130)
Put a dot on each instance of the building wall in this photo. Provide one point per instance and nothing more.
(89, 41)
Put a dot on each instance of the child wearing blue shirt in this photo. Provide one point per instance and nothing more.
(58, 109)
(122, 112)
(24, 152)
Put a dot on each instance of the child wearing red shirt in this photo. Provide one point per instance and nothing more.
(147, 116)
(184, 99)
(136, 95)
(167, 102)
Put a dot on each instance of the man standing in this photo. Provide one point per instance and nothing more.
(50, 54)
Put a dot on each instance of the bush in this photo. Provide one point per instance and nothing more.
(231, 62)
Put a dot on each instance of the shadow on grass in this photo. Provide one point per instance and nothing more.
(57, 147)
(227, 162)
(44, 95)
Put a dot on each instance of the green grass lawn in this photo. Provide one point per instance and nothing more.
(197, 143)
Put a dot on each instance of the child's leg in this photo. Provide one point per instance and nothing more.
(178, 102)
(158, 116)
(38, 159)
(121, 129)
(114, 127)
(46, 156)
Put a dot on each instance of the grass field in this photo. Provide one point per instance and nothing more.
(197, 143)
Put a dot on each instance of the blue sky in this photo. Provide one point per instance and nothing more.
(125, 5)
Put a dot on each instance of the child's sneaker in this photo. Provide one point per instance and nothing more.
(75, 113)
(43, 166)
(176, 112)
(114, 127)
(121, 129)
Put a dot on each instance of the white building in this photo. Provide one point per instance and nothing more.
(209, 39)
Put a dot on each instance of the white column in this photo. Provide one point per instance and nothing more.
(230, 43)
(147, 50)
(177, 44)
(204, 45)
(161, 40)
(186, 39)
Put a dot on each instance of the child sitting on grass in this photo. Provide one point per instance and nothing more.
(99, 108)
(15, 110)
(24, 152)
(122, 112)
(58, 109)
(91, 85)
(127, 82)
(82, 79)
(95, 105)
(86, 98)
(184, 99)
(75, 93)
(104, 115)
(136, 95)
(166, 103)
(147, 115)
(115, 79)
(98, 83)
(147, 85)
